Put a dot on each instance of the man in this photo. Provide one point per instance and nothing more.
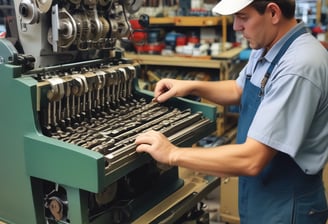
(282, 140)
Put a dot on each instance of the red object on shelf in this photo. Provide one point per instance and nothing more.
(135, 25)
(139, 48)
(139, 37)
(181, 40)
(193, 40)
(150, 48)
(317, 30)
(153, 48)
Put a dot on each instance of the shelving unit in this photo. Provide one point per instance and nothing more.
(195, 21)
(221, 61)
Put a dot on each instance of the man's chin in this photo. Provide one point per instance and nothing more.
(253, 46)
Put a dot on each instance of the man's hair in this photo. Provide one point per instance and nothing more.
(287, 7)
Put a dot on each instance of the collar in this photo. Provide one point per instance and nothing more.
(270, 55)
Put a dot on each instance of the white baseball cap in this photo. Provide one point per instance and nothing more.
(228, 7)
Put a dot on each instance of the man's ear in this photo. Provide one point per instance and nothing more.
(275, 12)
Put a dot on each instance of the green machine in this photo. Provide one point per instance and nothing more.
(70, 111)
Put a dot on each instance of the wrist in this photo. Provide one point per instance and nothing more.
(194, 87)
(174, 156)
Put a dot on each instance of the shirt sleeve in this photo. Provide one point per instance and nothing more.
(284, 117)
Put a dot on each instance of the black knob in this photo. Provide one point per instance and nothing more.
(144, 20)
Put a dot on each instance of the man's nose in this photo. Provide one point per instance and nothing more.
(237, 26)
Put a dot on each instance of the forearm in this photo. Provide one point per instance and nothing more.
(227, 160)
(212, 161)
(219, 92)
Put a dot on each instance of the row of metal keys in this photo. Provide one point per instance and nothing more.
(85, 95)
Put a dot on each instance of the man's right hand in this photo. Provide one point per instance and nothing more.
(168, 88)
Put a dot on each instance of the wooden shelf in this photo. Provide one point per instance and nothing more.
(229, 54)
(184, 61)
(161, 20)
(194, 62)
(198, 21)
(187, 20)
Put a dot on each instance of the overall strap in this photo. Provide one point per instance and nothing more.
(281, 52)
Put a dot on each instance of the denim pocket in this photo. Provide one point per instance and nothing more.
(311, 208)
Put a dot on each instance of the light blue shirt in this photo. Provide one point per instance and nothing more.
(293, 115)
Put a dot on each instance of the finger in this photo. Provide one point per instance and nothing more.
(158, 94)
(142, 139)
(165, 96)
(143, 148)
(145, 138)
(161, 87)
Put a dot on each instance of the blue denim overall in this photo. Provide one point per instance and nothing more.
(282, 193)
